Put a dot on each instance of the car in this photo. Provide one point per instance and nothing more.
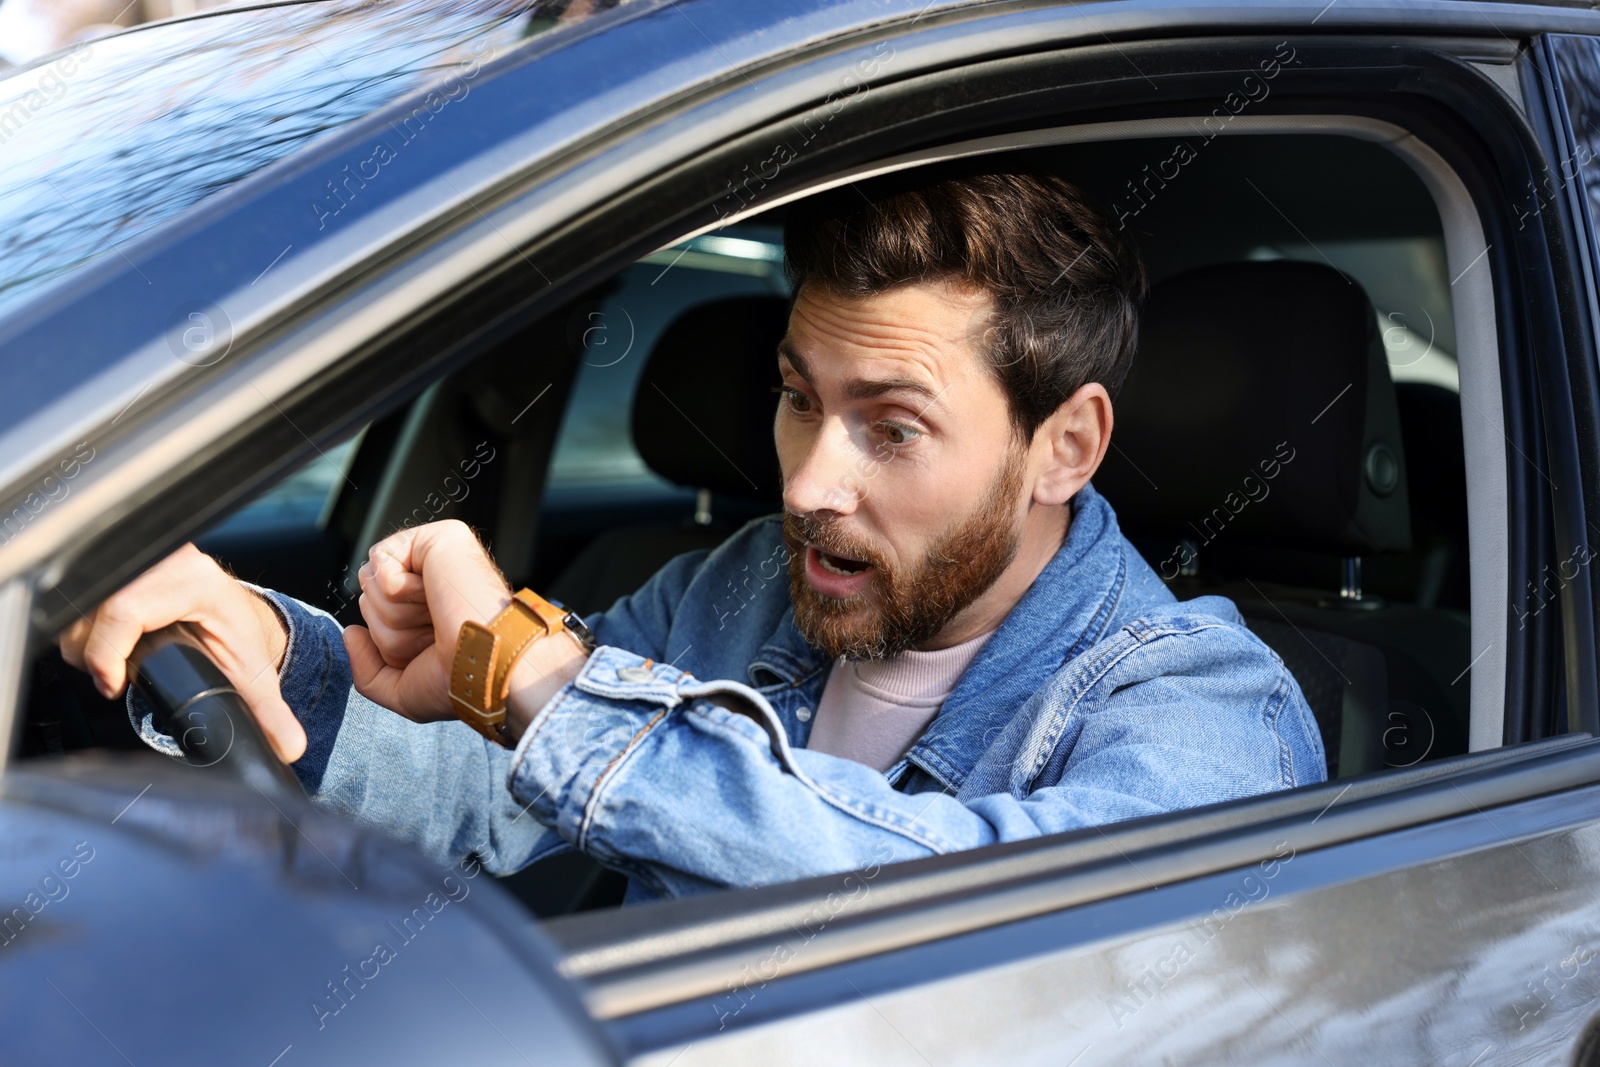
(281, 278)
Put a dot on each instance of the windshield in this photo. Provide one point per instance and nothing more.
(104, 142)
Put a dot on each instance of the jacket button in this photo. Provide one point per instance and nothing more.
(803, 714)
(635, 674)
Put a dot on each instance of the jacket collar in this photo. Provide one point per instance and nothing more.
(1066, 610)
(785, 656)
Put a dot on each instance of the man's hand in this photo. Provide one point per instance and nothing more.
(417, 587)
(236, 627)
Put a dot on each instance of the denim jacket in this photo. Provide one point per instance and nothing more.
(1099, 698)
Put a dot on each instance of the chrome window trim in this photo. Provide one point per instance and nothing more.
(16, 601)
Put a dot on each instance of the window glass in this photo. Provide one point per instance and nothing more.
(1408, 282)
(104, 142)
(302, 501)
(616, 334)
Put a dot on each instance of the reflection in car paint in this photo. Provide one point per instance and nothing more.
(79, 182)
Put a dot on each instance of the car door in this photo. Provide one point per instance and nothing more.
(1330, 922)
(1440, 914)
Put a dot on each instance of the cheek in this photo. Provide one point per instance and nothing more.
(910, 506)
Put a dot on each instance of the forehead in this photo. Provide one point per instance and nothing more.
(928, 329)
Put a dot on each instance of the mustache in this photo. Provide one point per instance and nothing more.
(801, 530)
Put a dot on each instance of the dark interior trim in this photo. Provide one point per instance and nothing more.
(1573, 283)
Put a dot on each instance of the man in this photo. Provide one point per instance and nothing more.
(966, 650)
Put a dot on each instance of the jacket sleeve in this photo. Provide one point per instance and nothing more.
(655, 773)
(441, 786)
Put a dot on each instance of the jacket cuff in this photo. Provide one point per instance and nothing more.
(309, 662)
(314, 679)
(584, 737)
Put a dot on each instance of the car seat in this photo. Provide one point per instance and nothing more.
(1258, 453)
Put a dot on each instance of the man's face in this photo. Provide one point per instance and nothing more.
(904, 484)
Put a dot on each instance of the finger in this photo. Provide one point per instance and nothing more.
(71, 641)
(389, 575)
(464, 577)
(394, 557)
(397, 645)
(119, 623)
(176, 588)
(372, 677)
(398, 615)
(282, 729)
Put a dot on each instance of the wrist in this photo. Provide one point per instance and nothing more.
(274, 628)
(505, 670)
(548, 667)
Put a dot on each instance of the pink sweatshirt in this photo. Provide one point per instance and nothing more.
(872, 711)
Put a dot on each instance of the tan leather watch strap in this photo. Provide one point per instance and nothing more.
(480, 673)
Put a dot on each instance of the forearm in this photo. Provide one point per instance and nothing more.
(439, 786)
(691, 785)
(660, 778)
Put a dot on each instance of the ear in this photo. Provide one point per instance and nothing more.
(1069, 446)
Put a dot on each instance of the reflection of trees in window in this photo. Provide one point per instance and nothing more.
(138, 126)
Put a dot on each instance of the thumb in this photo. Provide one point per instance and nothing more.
(372, 676)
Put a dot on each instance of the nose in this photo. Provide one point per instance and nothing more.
(828, 478)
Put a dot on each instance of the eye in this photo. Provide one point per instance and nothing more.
(896, 434)
(797, 401)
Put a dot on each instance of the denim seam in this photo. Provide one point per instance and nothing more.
(932, 761)
(605, 777)
(1108, 606)
(1084, 688)
(882, 818)
(948, 773)
(659, 691)
(1142, 635)
(1270, 714)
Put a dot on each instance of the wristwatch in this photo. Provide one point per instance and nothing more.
(480, 674)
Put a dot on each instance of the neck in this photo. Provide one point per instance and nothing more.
(1043, 532)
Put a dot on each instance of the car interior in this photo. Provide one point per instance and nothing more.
(1291, 437)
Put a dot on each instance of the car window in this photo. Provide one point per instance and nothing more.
(1408, 283)
(615, 334)
(300, 502)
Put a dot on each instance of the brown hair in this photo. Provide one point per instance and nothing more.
(1066, 284)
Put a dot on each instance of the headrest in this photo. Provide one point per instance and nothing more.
(702, 415)
(1260, 408)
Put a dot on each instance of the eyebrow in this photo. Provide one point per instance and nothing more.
(787, 350)
(860, 388)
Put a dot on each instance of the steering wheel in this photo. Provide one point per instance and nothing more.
(196, 705)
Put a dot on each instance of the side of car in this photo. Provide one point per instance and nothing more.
(1294, 927)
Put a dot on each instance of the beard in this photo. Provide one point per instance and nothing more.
(906, 606)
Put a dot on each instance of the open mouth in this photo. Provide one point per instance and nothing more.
(841, 565)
